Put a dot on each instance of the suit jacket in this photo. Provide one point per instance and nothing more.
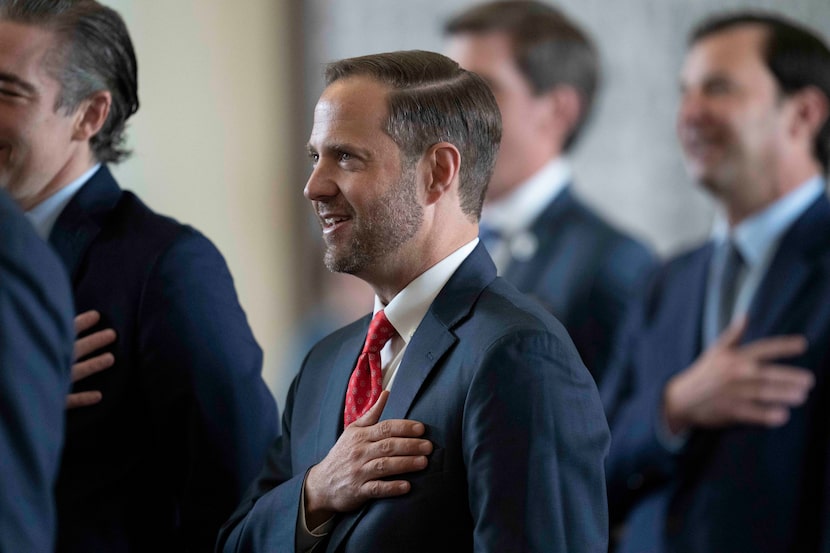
(741, 488)
(518, 432)
(186, 418)
(584, 272)
(36, 339)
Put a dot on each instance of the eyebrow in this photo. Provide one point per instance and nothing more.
(9, 78)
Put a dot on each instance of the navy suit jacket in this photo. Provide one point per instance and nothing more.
(518, 432)
(36, 339)
(186, 418)
(584, 272)
(741, 488)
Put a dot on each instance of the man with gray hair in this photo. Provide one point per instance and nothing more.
(180, 422)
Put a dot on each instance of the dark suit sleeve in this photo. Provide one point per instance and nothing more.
(266, 518)
(621, 274)
(201, 364)
(633, 400)
(535, 441)
(36, 339)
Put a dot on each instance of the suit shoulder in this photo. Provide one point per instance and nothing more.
(152, 233)
(502, 310)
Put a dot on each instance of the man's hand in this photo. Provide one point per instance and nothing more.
(367, 451)
(732, 384)
(83, 347)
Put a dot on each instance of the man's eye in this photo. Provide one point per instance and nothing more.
(314, 158)
(344, 156)
(718, 87)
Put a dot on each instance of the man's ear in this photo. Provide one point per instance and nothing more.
(811, 110)
(91, 115)
(442, 163)
(567, 106)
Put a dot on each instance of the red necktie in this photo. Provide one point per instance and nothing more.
(366, 382)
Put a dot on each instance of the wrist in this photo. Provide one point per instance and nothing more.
(315, 511)
(674, 416)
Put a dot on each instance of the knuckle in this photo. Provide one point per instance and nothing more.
(385, 428)
(375, 489)
(385, 447)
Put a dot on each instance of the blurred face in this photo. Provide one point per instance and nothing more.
(366, 202)
(525, 146)
(731, 123)
(36, 146)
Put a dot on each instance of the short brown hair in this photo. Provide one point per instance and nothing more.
(549, 49)
(434, 100)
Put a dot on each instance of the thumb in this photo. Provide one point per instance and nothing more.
(731, 336)
(372, 416)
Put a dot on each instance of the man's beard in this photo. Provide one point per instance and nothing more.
(380, 229)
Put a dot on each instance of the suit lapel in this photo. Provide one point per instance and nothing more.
(790, 269)
(81, 220)
(545, 232)
(430, 343)
(691, 298)
(434, 336)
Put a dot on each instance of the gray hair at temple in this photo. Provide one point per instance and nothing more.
(93, 52)
(432, 100)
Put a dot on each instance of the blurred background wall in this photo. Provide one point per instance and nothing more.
(228, 89)
(213, 137)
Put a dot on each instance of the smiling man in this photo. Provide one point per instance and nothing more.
(458, 417)
(720, 409)
(184, 418)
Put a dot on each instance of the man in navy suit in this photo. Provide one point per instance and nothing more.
(543, 70)
(487, 433)
(184, 417)
(720, 407)
(35, 354)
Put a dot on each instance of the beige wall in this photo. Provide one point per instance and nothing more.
(210, 140)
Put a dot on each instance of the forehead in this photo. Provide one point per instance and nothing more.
(481, 52)
(351, 109)
(733, 52)
(23, 50)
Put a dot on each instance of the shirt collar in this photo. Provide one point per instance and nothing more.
(755, 236)
(406, 310)
(44, 214)
(519, 209)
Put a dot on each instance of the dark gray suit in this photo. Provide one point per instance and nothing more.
(514, 417)
(583, 271)
(743, 488)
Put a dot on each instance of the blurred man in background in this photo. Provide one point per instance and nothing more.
(543, 70)
(720, 403)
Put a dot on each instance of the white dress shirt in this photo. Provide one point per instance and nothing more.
(757, 239)
(405, 312)
(44, 214)
(512, 215)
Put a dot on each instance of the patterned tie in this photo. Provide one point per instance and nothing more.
(732, 268)
(366, 382)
